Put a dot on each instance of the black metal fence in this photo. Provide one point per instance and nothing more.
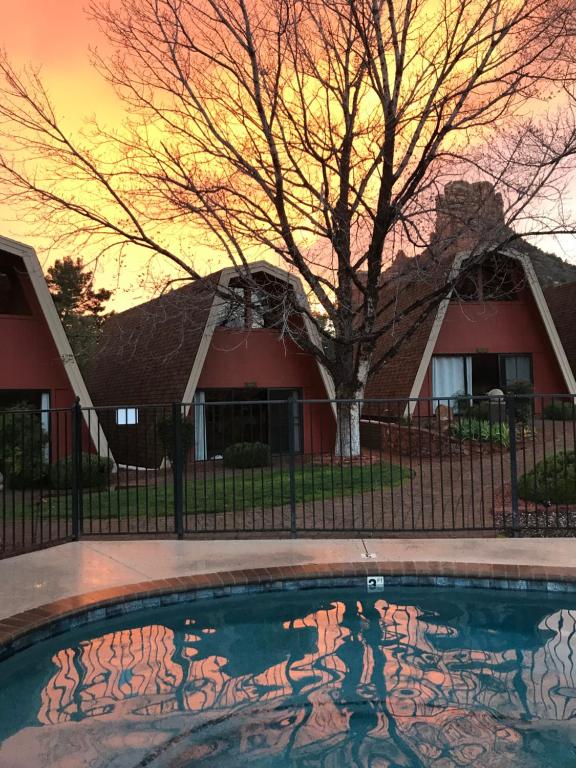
(427, 467)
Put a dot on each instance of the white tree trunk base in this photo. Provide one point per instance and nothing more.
(348, 430)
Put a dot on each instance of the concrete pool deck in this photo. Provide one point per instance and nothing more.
(39, 587)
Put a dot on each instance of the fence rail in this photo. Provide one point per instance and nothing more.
(459, 466)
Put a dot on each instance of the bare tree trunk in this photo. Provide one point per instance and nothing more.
(348, 411)
(262, 144)
(348, 429)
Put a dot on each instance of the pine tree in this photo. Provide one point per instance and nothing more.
(80, 306)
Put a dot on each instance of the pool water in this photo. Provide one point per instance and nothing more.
(404, 678)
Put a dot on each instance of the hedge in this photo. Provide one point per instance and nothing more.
(552, 480)
(96, 471)
(242, 455)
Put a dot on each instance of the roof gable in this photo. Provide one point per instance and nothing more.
(403, 376)
(154, 353)
(38, 284)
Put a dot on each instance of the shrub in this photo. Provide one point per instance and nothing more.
(22, 442)
(553, 479)
(166, 435)
(479, 410)
(560, 410)
(461, 403)
(522, 400)
(481, 430)
(241, 455)
(95, 472)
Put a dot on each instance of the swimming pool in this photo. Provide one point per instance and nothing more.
(403, 678)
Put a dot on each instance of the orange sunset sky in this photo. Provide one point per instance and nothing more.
(55, 35)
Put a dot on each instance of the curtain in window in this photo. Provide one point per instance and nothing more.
(451, 376)
(45, 418)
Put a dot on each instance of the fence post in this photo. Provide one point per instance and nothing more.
(177, 469)
(511, 411)
(77, 511)
(292, 421)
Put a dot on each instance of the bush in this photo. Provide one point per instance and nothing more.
(551, 480)
(479, 410)
(560, 410)
(22, 442)
(481, 430)
(166, 435)
(242, 455)
(522, 405)
(96, 471)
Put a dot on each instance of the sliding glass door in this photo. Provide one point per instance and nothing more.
(226, 416)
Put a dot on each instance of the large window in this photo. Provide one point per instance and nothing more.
(497, 279)
(516, 369)
(475, 375)
(12, 297)
(261, 305)
(227, 416)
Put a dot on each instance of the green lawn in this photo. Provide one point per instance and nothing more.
(219, 492)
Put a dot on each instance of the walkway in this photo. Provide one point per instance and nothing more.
(35, 579)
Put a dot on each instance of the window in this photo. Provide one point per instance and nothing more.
(234, 313)
(126, 416)
(12, 297)
(248, 415)
(501, 280)
(516, 369)
(245, 308)
(497, 279)
(477, 374)
(451, 378)
(262, 305)
(257, 308)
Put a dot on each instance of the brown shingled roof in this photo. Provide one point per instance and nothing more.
(561, 300)
(396, 377)
(147, 352)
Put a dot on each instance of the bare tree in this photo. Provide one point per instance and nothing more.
(317, 131)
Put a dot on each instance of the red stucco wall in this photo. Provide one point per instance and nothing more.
(500, 327)
(30, 359)
(257, 357)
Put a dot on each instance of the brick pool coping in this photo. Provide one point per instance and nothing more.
(23, 629)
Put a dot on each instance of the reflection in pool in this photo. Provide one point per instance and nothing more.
(402, 679)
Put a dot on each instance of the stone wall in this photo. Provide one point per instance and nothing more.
(409, 440)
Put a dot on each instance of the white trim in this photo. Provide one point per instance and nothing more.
(540, 300)
(544, 310)
(225, 276)
(38, 282)
(432, 338)
(202, 351)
